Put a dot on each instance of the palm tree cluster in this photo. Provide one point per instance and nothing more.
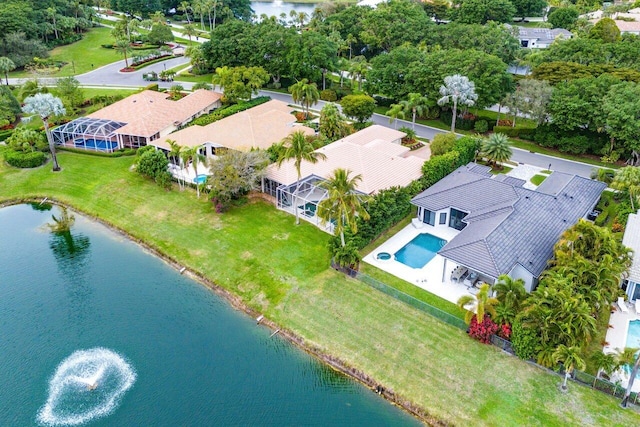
(496, 149)
(415, 104)
(305, 93)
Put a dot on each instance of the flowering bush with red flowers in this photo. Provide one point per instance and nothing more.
(482, 331)
(504, 331)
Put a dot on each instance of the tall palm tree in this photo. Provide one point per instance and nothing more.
(632, 379)
(396, 111)
(176, 154)
(46, 105)
(358, 68)
(510, 294)
(605, 363)
(497, 149)
(628, 179)
(192, 155)
(305, 93)
(571, 358)
(189, 30)
(298, 148)
(458, 90)
(6, 65)
(185, 7)
(343, 203)
(481, 302)
(416, 104)
(123, 47)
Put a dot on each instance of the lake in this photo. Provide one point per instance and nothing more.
(94, 330)
(275, 8)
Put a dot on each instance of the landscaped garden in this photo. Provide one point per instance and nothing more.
(281, 270)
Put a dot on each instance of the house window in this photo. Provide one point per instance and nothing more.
(443, 218)
(524, 43)
(455, 220)
(428, 217)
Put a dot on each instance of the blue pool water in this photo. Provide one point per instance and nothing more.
(200, 179)
(633, 334)
(95, 144)
(418, 252)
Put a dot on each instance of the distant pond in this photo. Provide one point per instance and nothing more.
(275, 8)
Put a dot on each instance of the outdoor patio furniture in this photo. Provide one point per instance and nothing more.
(622, 305)
(457, 273)
(471, 279)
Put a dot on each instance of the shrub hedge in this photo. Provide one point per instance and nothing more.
(118, 153)
(514, 132)
(221, 113)
(574, 142)
(19, 159)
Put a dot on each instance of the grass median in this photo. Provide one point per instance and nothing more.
(280, 269)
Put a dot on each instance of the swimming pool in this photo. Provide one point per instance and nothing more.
(633, 334)
(200, 179)
(419, 251)
(95, 144)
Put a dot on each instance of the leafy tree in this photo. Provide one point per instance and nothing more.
(605, 30)
(305, 93)
(309, 53)
(415, 104)
(563, 17)
(21, 49)
(298, 148)
(496, 149)
(333, 125)
(9, 106)
(358, 107)
(45, 105)
(524, 340)
(510, 295)
(436, 9)
(457, 90)
(6, 65)
(621, 108)
(482, 11)
(268, 52)
(442, 143)
(235, 173)
(358, 69)
(343, 204)
(26, 140)
(123, 47)
(240, 82)
(627, 180)
(525, 8)
(160, 34)
(535, 97)
(153, 164)
(570, 358)
(388, 72)
(232, 44)
(69, 90)
(482, 302)
(392, 24)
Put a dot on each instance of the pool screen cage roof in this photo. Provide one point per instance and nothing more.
(86, 128)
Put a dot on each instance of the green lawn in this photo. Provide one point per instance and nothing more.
(280, 270)
(85, 55)
(537, 179)
(206, 78)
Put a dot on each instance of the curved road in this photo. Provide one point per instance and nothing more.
(110, 76)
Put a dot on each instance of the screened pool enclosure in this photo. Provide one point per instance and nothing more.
(89, 134)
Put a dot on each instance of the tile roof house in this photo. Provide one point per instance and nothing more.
(540, 38)
(375, 153)
(504, 227)
(136, 120)
(631, 240)
(258, 127)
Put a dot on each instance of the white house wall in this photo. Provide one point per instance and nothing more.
(519, 272)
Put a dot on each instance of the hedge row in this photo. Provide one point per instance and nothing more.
(221, 113)
(19, 159)
(118, 153)
(516, 132)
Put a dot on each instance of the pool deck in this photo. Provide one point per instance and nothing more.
(617, 337)
(429, 277)
(188, 174)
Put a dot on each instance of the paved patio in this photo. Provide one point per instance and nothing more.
(617, 339)
(525, 172)
(430, 277)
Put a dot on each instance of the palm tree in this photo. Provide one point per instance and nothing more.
(481, 302)
(571, 358)
(394, 112)
(458, 90)
(358, 68)
(45, 105)
(189, 30)
(497, 149)
(628, 179)
(6, 65)
(192, 155)
(176, 154)
(123, 47)
(605, 363)
(510, 294)
(416, 104)
(343, 203)
(297, 147)
(185, 7)
(305, 93)
(632, 378)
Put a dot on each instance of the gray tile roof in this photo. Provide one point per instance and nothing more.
(508, 224)
(543, 35)
(554, 183)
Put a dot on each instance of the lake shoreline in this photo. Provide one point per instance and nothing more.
(238, 304)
